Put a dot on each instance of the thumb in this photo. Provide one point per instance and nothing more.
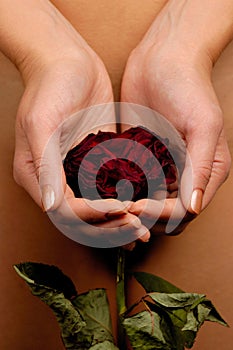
(38, 166)
(201, 147)
(49, 169)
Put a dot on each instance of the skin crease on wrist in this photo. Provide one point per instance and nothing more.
(124, 19)
(212, 22)
(127, 22)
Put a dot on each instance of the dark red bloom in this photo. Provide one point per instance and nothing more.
(131, 165)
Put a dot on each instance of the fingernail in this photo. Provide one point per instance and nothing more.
(115, 213)
(145, 238)
(196, 201)
(48, 197)
(143, 233)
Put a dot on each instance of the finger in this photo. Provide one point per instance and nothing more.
(170, 213)
(47, 142)
(101, 236)
(86, 222)
(153, 210)
(73, 210)
(117, 236)
(23, 167)
(172, 219)
(220, 169)
(43, 176)
(106, 213)
(129, 224)
(201, 147)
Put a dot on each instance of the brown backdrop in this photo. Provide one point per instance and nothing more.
(200, 259)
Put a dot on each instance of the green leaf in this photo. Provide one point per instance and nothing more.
(152, 283)
(213, 315)
(172, 321)
(192, 323)
(179, 338)
(144, 331)
(84, 320)
(47, 275)
(181, 314)
(176, 300)
(205, 311)
(187, 313)
(69, 319)
(94, 309)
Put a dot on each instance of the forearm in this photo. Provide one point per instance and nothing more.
(34, 30)
(200, 26)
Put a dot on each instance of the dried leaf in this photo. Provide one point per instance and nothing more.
(94, 309)
(144, 331)
(84, 320)
(177, 300)
(181, 314)
(69, 319)
(213, 315)
(152, 283)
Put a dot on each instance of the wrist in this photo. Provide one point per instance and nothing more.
(197, 28)
(34, 34)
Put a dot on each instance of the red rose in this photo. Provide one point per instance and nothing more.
(114, 165)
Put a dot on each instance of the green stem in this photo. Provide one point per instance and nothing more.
(121, 303)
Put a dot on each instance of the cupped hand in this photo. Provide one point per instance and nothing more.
(55, 90)
(177, 83)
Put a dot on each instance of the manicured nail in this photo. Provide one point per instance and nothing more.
(145, 238)
(196, 201)
(48, 197)
(143, 234)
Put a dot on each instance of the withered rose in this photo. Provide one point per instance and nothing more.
(134, 171)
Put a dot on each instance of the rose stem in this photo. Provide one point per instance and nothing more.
(121, 304)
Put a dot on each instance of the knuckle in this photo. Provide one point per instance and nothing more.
(38, 166)
(41, 167)
(216, 124)
(209, 122)
(203, 171)
(214, 121)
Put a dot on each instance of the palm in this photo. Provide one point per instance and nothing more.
(184, 95)
(45, 132)
(51, 96)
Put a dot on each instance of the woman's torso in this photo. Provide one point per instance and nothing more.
(111, 28)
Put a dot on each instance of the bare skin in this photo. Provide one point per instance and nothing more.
(127, 24)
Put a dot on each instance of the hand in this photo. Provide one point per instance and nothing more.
(60, 83)
(176, 81)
